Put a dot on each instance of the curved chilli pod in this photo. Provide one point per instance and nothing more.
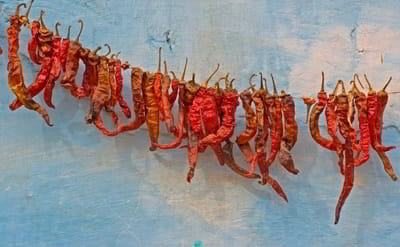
(277, 129)
(55, 68)
(158, 78)
(119, 67)
(289, 138)
(33, 42)
(251, 126)
(15, 67)
(348, 178)
(100, 96)
(151, 87)
(64, 50)
(45, 52)
(194, 124)
(113, 82)
(331, 122)
(372, 103)
(262, 100)
(206, 105)
(84, 90)
(72, 65)
(342, 113)
(382, 99)
(362, 108)
(244, 138)
(137, 99)
(183, 112)
(314, 118)
(166, 107)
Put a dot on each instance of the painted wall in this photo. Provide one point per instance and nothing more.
(71, 186)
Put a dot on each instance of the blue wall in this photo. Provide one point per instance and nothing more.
(71, 186)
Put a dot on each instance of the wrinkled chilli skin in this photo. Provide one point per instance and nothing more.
(251, 127)
(54, 72)
(331, 122)
(152, 109)
(137, 77)
(45, 52)
(15, 68)
(289, 138)
(71, 67)
(348, 177)
(119, 67)
(33, 43)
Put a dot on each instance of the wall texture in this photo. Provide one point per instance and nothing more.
(71, 186)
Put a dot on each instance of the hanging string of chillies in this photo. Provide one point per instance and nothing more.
(339, 114)
(207, 114)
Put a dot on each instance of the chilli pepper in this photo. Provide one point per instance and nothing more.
(101, 95)
(372, 103)
(202, 113)
(262, 100)
(55, 68)
(331, 122)
(314, 119)
(64, 50)
(274, 106)
(33, 43)
(120, 85)
(193, 119)
(183, 112)
(251, 125)
(342, 113)
(380, 107)
(15, 67)
(72, 65)
(152, 95)
(362, 108)
(45, 51)
(244, 138)
(348, 177)
(166, 106)
(289, 138)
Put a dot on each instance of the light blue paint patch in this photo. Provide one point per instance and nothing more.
(71, 186)
(198, 243)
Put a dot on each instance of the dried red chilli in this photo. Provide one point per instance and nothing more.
(72, 65)
(33, 43)
(224, 132)
(372, 102)
(262, 100)
(194, 133)
(101, 96)
(15, 67)
(166, 106)
(348, 177)
(45, 53)
(183, 113)
(276, 128)
(314, 119)
(55, 68)
(331, 122)
(289, 138)
(228, 124)
(381, 103)
(137, 77)
(150, 84)
(119, 67)
(202, 113)
(64, 50)
(251, 126)
(342, 113)
(362, 108)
